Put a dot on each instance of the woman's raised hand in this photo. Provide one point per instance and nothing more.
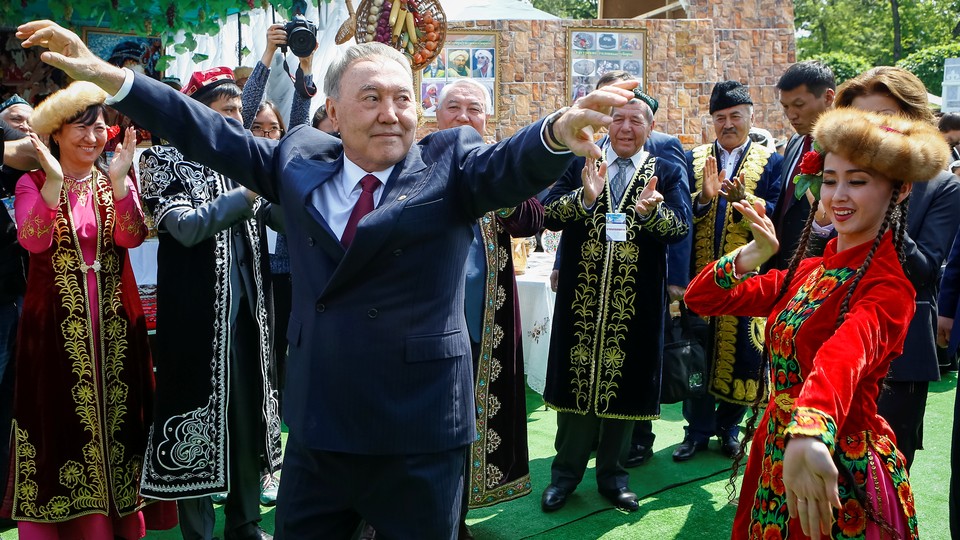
(49, 163)
(121, 162)
(764, 244)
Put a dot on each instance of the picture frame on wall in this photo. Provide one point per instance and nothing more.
(474, 55)
(139, 53)
(595, 51)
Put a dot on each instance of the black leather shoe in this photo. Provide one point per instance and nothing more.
(367, 532)
(622, 498)
(554, 497)
(639, 455)
(729, 446)
(248, 533)
(687, 449)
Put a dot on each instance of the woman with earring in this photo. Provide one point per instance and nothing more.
(822, 461)
(84, 377)
(932, 224)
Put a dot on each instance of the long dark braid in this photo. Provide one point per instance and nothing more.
(887, 220)
(897, 221)
(750, 427)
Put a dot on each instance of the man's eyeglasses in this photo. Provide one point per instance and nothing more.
(260, 132)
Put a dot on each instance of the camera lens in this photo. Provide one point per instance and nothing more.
(301, 41)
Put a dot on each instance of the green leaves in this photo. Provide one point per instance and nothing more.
(807, 181)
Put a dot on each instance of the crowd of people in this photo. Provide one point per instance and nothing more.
(383, 321)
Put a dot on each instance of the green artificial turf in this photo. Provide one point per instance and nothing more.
(678, 500)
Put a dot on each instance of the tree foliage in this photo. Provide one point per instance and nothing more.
(569, 9)
(927, 64)
(865, 27)
(844, 65)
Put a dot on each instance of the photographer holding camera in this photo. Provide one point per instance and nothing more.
(279, 36)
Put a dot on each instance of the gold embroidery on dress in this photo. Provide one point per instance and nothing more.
(734, 236)
(87, 485)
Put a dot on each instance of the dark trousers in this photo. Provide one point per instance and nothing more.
(902, 404)
(247, 438)
(707, 416)
(324, 495)
(575, 436)
(643, 434)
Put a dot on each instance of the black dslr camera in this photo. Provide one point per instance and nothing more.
(301, 37)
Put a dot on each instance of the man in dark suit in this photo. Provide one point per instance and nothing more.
(379, 398)
(949, 125)
(806, 90)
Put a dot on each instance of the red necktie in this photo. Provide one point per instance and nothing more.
(368, 184)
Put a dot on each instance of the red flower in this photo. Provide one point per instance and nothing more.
(112, 132)
(851, 519)
(812, 163)
(906, 498)
(756, 530)
(854, 446)
(772, 532)
(776, 479)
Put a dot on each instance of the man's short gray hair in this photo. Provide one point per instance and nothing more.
(487, 103)
(361, 51)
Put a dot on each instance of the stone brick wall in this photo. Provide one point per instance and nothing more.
(751, 41)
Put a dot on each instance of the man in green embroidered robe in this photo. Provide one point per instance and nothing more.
(730, 169)
(603, 371)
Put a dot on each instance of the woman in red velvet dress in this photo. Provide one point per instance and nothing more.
(822, 460)
(84, 378)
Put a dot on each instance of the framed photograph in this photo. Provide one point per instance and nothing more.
(125, 50)
(472, 55)
(22, 72)
(595, 51)
(138, 53)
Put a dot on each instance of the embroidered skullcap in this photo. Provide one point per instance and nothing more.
(728, 94)
(11, 101)
(202, 82)
(646, 98)
(64, 104)
(894, 146)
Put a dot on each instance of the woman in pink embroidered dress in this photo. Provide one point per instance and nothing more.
(84, 382)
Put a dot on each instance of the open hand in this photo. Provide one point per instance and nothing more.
(649, 198)
(575, 128)
(733, 189)
(764, 244)
(810, 480)
(121, 162)
(49, 163)
(712, 180)
(593, 181)
(66, 51)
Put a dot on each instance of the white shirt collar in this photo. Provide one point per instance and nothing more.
(352, 174)
(636, 159)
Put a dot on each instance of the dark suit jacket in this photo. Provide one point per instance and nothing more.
(668, 148)
(790, 214)
(932, 222)
(379, 358)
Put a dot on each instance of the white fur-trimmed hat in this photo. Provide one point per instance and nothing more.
(65, 104)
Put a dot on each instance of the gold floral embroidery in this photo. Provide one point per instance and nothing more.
(734, 236)
(88, 487)
(34, 226)
(132, 224)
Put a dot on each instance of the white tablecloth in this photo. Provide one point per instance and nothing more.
(536, 317)
(143, 259)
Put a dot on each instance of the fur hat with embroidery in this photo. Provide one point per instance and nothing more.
(894, 146)
(65, 104)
